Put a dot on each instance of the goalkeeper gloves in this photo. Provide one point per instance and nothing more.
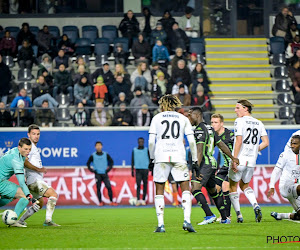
(34, 202)
(151, 165)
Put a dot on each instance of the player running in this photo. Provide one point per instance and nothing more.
(227, 136)
(204, 174)
(34, 180)
(167, 154)
(247, 131)
(288, 170)
(12, 162)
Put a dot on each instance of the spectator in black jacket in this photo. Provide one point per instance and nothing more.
(25, 34)
(81, 116)
(5, 117)
(66, 45)
(282, 22)
(129, 26)
(181, 71)
(120, 85)
(141, 49)
(44, 117)
(122, 117)
(167, 21)
(292, 32)
(200, 81)
(26, 56)
(5, 76)
(178, 38)
(105, 72)
(200, 70)
(44, 41)
(63, 82)
(121, 56)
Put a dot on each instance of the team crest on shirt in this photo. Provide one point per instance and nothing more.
(185, 174)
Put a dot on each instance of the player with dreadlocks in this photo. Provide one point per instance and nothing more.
(168, 155)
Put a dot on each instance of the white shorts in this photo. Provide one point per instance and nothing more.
(38, 188)
(244, 173)
(179, 171)
(290, 192)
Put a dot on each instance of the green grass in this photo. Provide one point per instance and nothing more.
(128, 228)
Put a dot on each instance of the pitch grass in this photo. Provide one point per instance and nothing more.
(132, 228)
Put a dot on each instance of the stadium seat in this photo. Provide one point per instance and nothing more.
(83, 46)
(25, 75)
(277, 45)
(101, 46)
(197, 45)
(110, 32)
(90, 32)
(124, 41)
(284, 99)
(2, 34)
(287, 122)
(34, 30)
(278, 59)
(282, 85)
(14, 30)
(286, 113)
(63, 100)
(25, 85)
(54, 30)
(63, 114)
(9, 61)
(281, 72)
(100, 59)
(72, 32)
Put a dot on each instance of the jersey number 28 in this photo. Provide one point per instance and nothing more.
(175, 127)
(254, 138)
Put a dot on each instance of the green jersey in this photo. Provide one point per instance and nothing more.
(228, 138)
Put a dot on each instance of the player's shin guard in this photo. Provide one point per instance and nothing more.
(187, 205)
(249, 193)
(219, 201)
(235, 201)
(50, 208)
(22, 203)
(160, 206)
(30, 211)
(201, 200)
(227, 203)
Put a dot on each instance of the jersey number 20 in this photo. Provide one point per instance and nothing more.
(254, 138)
(175, 127)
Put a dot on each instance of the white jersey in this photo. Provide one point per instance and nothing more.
(289, 163)
(169, 128)
(288, 144)
(34, 158)
(251, 131)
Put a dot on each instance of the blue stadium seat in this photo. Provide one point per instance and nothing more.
(83, 46)
(2, 34)
(197, 45)
(284, 99)
(72, 32)
(110, 32)
(278, 59)
(90, 32)
(9, 61)
(54, 30)
(285, 113)
(124, 41)
(101, 46)
(63, 114)
(25, 85)
(14, 30)
(282, 85)
(34, 48)
(281, 72)
(25, 75)
(277, 45)
(34, 30)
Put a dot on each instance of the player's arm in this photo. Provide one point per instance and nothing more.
(221, 145)
(275, 176)
(19, 172)
(88, 164)
(200, 146)
(28, 165)
(265, 143)
(110, 163)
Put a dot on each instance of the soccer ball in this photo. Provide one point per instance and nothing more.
(133, 201)
(9, 217)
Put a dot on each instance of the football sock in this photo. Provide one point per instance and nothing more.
(20, 206)
(283, 215)
(227, 203)
(202, 202)
(50, 208)
(219, 201)
(159, 206)
(175, 199)
(187, 205)
(30, 211)
(251, 196)
(235, 201)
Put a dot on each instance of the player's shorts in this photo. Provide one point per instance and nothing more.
(38, 189)
(222, 175)
(208, 179)
(290, 192)
(244, 173)
(171, 179)
(8, 189)
(179, 171)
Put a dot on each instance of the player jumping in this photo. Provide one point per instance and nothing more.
(38, 187)
(168, 154)
(287, 169)
(247, 131)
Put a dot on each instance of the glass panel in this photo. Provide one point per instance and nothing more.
(216, 18)
(293, 5)
(250, 17)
